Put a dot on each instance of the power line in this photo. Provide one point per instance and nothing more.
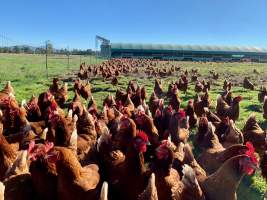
(7, 41)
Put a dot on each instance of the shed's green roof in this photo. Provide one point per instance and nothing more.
(186, 47)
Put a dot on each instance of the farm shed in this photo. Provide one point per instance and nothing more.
(184, 52)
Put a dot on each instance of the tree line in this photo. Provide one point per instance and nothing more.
(43, 50)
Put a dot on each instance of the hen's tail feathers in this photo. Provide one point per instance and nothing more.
(2, 191)
(150, 192)
(104, 191)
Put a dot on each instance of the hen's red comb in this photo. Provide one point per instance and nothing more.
(226, 120)
(54, 105)
(41, 150)
(142, 135)
(169, 108)
(251, 153)
(158, 113)
(31, 146)
(239, 98)
(182, 113)
(162, 151)
(48, 146)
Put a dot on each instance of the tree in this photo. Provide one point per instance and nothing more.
(49, 47)
(5, 50)
(26, 49)
(16, 49)
(40, 50)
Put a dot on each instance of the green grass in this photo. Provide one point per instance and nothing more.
(27, 72)
(28, 76)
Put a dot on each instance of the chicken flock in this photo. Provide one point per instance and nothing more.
(136, 147)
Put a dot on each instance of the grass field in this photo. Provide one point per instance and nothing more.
(28, 76)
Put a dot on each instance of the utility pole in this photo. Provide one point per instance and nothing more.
(46, 52)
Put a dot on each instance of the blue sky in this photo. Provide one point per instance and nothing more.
(75, 23)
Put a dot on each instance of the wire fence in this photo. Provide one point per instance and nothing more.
(44, 60)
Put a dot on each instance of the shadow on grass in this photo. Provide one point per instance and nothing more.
(187, 98)
(254, 108)
(263, 125)
(15, 80)
(68, 79)
(246, 191)
(101, 89)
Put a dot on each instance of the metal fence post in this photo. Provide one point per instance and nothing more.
(46, 52)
